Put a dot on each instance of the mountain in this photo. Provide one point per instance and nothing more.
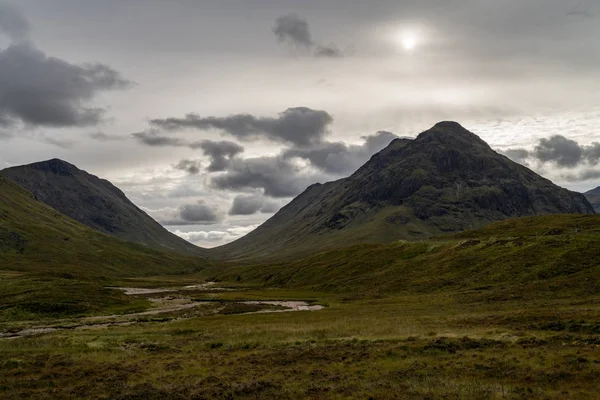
(593, 197)
(51, 264)
(96, 203)
(37, 238)
(446, 180)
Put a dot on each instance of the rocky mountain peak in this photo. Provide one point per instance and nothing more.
(55, 166)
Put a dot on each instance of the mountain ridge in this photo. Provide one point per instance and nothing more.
(446, 180)
(96, 203)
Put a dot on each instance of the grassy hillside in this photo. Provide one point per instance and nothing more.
(512, 259)
(51, 263)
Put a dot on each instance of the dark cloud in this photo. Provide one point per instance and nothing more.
(13, 24)
(282, 176)
(198, 213)
(252, 204)
(379, 141)
(276, 176)
(294, 31)
(339, 158)
(104, 137)
(46, 91)
(560, 150)
(330, 51)
(300, 126)
(153, 138)
(220, 153)
(592, 153)
(192, 167)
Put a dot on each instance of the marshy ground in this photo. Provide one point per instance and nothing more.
(407, 347)
(164, 304)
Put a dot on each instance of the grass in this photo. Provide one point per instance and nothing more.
(517, 259)
(396, 347)
(508, 312)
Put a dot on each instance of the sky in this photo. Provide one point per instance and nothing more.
(211, 115)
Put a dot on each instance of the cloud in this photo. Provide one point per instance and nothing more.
(13, 24)
(215, 237)
(192, 167)
(330, 51)
(39, 90)
(276, 176)
(562, 153)
(517, 155)
(294, 31)
(198, 213)
(339, 158)
(300, 126)
(558, 150)
(296, 168)
(197, 236)
(46, 91)
(584, 175)
(154, 139)
(104, 137)
(252, 204)
(220, 153)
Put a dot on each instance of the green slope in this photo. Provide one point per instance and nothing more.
(557, 255)
(50, 263)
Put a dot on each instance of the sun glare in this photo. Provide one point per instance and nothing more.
(409, 41)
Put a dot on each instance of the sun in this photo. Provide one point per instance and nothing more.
(409, 41)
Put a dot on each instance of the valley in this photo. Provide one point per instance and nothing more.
(389, 284)
(403, 320)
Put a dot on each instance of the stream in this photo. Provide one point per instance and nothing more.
(167, 300)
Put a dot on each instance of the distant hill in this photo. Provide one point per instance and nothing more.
(96, 203)
(594, 198)
(446, 180)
